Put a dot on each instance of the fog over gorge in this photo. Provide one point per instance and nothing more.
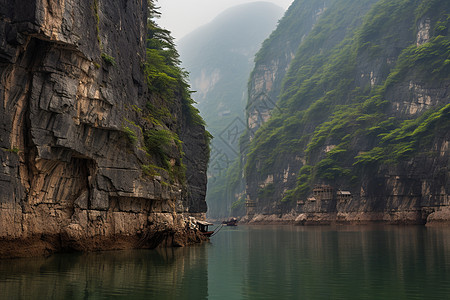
(184, 16)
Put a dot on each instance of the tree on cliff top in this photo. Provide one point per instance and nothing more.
(165, 77)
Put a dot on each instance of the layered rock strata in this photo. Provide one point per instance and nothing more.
(346, 92)
(71, 79)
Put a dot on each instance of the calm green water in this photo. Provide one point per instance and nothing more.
(251, 262)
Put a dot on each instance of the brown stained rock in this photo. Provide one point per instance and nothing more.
(439, 218)
(67, 171)
(351, 218)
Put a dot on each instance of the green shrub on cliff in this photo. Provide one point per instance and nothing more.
(167, 84)
(165, 77)
(167, 148)
(326, 101)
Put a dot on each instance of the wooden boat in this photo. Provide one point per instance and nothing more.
(203, 227)
(230, 222)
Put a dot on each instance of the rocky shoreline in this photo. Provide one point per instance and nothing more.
(171, 230)
(437, 218)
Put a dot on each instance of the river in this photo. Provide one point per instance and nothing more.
(251, 262)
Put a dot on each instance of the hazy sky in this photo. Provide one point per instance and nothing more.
(183, 16)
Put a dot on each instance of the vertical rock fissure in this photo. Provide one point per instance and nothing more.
(68, 171)
(27, 157)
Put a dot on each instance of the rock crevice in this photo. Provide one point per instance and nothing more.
(69, 176)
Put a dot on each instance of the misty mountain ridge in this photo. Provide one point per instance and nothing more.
(240, 27)
(219, 57)
(226, 46)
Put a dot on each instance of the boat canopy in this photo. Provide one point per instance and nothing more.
(204, 223)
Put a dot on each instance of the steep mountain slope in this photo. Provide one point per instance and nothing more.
(96, 131)
(219, 58)
(273, 59)
(361, 128)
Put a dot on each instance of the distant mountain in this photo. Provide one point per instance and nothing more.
(219, 57)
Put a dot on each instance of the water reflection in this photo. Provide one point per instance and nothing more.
(137, 274)
(343, 263)
(257, 262)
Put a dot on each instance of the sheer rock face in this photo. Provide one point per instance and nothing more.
(265, 82)
(416, 190)
(66, 168)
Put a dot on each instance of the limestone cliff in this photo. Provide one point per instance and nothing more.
(273, 59)
(219, 58)
(74, 108)
(265, 83)
(360, 129)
